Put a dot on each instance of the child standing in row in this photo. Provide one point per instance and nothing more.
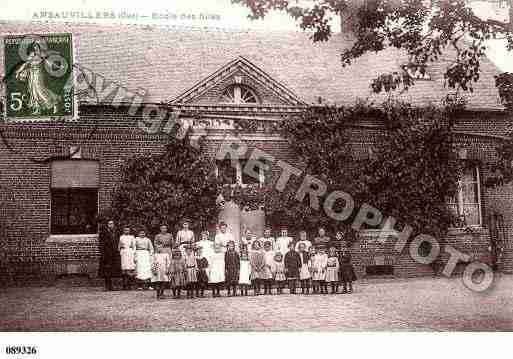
(347, 274)
(319, 264)
(245, 271)
(177, 272)
(278, 270)
(202, 263)
(257, 263)
(232, 268)
(292, 267)
(332, 269)
(304, 269)
(267, 275)
(160, 277)
(191, 271)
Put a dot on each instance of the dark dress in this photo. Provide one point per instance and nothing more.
(202, 264)
(232, 267)
(292, 264)
(347, 273)
(110, 259)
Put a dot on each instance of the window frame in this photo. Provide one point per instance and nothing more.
(237, 95)
(460, 204)
(53, 231)
(80, 237)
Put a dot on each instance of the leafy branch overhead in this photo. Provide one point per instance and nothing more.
(425, 30)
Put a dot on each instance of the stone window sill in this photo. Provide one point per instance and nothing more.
(72, 238)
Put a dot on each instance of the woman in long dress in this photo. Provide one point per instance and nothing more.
(32, 71)
(127, 254)
(216, 275)
(184, 237)
(160, 270)
(143, 258)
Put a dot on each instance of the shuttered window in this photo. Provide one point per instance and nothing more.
(74, 192)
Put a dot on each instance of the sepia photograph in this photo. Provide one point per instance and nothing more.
(255, 166)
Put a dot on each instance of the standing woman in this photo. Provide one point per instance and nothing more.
(110, 260)
(127, 252)
(143, 258)
(164, 239)
(184, 237)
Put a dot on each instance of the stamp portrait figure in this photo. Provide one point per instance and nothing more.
(33, 72)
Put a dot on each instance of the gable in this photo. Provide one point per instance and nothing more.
(244, 74)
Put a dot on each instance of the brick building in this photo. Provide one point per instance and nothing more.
(56, 176)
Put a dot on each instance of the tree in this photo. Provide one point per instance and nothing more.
(423, 29)
(166, 188)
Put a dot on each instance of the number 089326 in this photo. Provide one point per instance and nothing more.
(20, 350)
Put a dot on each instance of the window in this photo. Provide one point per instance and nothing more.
(466, 204)
(74, 197)
(238, 95)
(233, 173)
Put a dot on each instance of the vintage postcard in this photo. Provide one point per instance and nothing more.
(236, 165)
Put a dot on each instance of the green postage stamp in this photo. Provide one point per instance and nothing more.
(39, 76)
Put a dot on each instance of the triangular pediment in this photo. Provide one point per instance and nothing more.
(239, 72)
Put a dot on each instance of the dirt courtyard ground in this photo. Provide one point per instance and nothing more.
(424, 304)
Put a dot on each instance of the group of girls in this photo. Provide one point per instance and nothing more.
(261, 264)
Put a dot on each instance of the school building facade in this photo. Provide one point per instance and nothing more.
(56, 176)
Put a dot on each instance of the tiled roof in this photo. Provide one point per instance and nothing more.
(167, 61)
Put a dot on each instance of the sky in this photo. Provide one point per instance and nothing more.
(207, 13)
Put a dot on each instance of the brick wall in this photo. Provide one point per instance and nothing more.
(25, 194)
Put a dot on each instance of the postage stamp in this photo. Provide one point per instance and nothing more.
(39, 76)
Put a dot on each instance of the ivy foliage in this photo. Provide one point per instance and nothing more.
(412, 171)
(166, 188)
